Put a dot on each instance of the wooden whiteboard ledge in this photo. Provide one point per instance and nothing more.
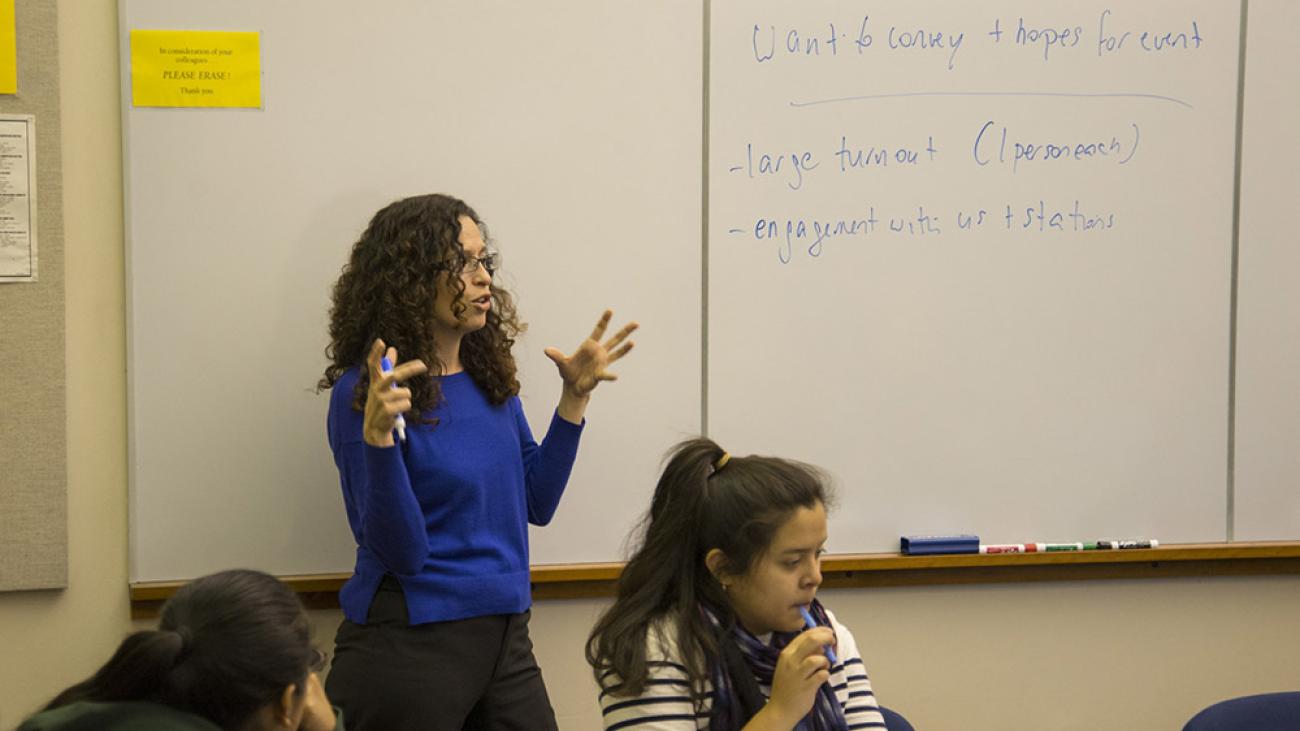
(575, 581)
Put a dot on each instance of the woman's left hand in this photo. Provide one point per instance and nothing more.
(589, 364)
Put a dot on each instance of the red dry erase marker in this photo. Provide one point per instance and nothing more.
(1007, 548)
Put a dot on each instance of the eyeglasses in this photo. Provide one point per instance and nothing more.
(490, 262)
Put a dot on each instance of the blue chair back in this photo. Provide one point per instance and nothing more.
(1267, 712)
(895, 722)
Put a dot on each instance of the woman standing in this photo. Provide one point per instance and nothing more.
(441, 475)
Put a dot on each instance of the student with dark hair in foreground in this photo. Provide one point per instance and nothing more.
(716, 624)
(232, 652)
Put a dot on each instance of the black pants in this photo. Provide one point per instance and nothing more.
(470, 674)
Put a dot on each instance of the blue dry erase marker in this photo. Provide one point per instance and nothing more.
(399, 423)
(809, 622)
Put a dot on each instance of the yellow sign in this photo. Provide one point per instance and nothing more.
(195, 68)
(8, 49)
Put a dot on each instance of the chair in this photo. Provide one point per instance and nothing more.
(1267, 712)
(895, 722)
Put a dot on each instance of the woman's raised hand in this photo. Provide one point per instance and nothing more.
(386, 400)
(589, 364)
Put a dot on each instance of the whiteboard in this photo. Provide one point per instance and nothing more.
(1025, 347)
(1064, 374)
(1267, 466)
(574, 130)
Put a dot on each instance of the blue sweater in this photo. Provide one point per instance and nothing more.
(446, 512)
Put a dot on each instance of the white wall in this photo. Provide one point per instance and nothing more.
(48, 638)
(1139, 654)
(1043, 657)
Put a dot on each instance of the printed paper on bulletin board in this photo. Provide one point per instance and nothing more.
(8, 49)
(188, 68)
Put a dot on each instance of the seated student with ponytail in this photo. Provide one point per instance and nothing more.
(707, 630)
(232, 652)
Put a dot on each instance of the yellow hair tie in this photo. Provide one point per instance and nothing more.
(722, 461)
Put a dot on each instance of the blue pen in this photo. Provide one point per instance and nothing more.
(809, 622)
(399, 423)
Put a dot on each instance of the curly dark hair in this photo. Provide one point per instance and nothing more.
(387, 290)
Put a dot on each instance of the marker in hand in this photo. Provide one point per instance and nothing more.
(399, 423)
(809, 622)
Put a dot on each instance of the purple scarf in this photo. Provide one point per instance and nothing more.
(734, 705)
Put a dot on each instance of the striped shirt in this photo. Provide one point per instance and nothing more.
(665, 704)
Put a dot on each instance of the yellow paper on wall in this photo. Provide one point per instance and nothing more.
(196, 68)
(8, 49)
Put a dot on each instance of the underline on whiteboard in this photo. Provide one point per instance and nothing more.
(870, 97)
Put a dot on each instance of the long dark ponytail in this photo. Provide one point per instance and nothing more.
(226, 645)
(701, 502)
